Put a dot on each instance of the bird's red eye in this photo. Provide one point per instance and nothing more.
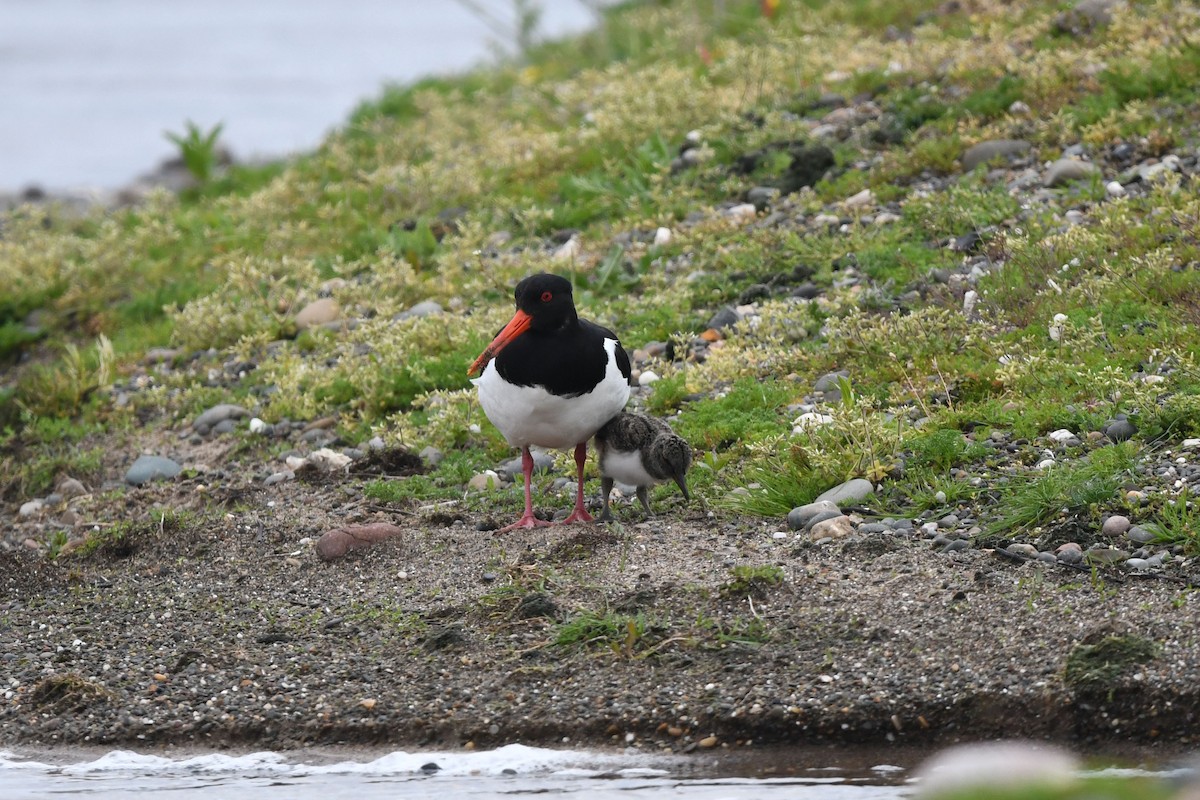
(547, 297)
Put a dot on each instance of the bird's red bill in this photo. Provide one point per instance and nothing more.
(515, 327)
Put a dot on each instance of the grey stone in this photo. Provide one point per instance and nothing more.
(851, 491)
(1120, 430)
(70, 487)
(431, 456)
(1137, 563)
(762, 196)
(1140, 535)
(279, 477)
(53, 499)
(801, 517)
(150, 468)
(542, 462)
(957, 544)
(377, 443)
(425, 308)
(724, 318)
(1070, 556)
(1067, 170)
(1049, 558)
(993, 148)
(830, 381)
(218, 414)
(224, 426)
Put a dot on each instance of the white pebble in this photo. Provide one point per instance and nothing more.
(648, 377)
(1046, 463)
(662, 237)
(969, 301)
(1114, 189)
(743, 213)
(1062, 435)
(810, 420)
(256, 425)
(1191, 443)
(779, 535)
(863, 198)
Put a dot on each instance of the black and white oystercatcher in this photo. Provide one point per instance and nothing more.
(551, 379)
(642, 451)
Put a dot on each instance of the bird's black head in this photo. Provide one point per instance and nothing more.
(546, 298)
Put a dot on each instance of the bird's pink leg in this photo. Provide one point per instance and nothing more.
(527, 520)
(579, 514)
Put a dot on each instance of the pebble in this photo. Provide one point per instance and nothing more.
(838, 527)
(994, 148)
(1063, 436)
(150, 468)
(662, 237)
(337, 542)
(742, 213)
(1120, 430)
(851, 491)
(431, 455)
(279, 477)
(648, 377)
(509, 470)
(69, 488)
(317, 313)
(1105, 555)
(488, 479)
(1114, 189)
(31, 507)
(1137, 563)
(1140, 535)
(216, 415)
(1115, 526)
(1022, 549)
(810, 419)
(801, 517)
(425, 308)
(956, 545)
(1067, 170)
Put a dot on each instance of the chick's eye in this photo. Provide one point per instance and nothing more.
(547, 297)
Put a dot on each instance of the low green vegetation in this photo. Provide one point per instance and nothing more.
(1097, 666)
(453, 188)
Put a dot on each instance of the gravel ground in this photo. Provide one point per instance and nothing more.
(226, 629)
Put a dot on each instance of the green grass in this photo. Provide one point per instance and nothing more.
(1068, 488)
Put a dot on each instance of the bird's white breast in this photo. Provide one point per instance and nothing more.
(530, 415)
(626, 468)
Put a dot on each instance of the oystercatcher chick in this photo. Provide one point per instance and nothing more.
(642, 451)
(551, 379)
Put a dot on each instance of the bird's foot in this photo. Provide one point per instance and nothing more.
(578, 515)
(526, 521)
(606, 516)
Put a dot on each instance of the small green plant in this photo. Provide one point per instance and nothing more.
(1178, 522)
(746, 580)
(622, 634)
(1096, 666)
(1069, 488)
(198, 149)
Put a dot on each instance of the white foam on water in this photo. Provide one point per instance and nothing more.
(513, 759)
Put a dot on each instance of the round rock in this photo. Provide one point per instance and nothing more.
(151, 468)
(851, 491)
(800, 517)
